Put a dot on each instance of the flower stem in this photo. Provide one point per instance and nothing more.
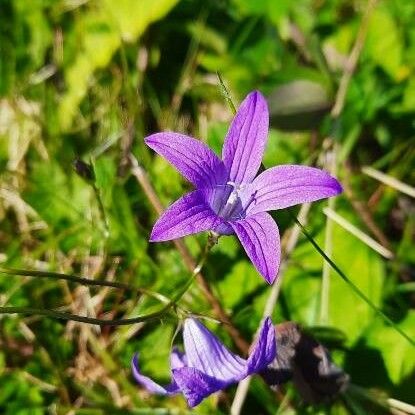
(102, 322)
(87, 320)
(68, 277)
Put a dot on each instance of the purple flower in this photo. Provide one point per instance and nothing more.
(207, 366)
(228, 197)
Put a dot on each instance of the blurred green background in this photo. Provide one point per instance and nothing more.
(90, 79)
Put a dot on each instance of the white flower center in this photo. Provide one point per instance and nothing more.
(229, 201)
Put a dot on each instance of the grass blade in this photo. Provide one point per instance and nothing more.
(340, 220)
(389, 181)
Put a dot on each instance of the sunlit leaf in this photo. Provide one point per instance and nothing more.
(347, 312)
(398, 355)
(384, 42)
(104, 27)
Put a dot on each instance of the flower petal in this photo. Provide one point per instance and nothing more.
(264, 350)
(193, 159)
(196, 385)
(206, 353)
(190, 214)
(149, 384)
(283, 186)
(245, 142)
(177, 359)
(260, 238)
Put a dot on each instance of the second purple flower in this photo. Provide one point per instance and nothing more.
(229, 199)
(207, 365)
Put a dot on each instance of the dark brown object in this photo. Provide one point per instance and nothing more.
(84, 170)
(307, 363)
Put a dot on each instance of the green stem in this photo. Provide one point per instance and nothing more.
(91, 320)
(81, 319)
(67, 277)
(328, 247)
(352, 285)
(82, 280)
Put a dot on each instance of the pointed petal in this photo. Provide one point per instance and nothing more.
(190, 214)
(196, 385)
(264, 350)
(193, 159)
(260, 238)
(206, 353)
(245, 142)
(283, 186)
(177, 359)
(149, 384)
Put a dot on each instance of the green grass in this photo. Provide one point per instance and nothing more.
(89, 80)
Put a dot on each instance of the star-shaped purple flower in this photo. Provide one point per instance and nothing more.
(228, 197)
(207, 366)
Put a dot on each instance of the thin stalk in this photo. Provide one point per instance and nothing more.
(102, 322)
(68, 277)
(83, 281)
(59, 315)
(328, 247)
(389, 181)
(354, 288)
(362, 209)
(96, 321)
(402, 406)
(189, 68)
(370, 242)
(352, 60)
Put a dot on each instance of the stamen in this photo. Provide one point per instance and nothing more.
(226, 202)
(251, 200)
(230, 204)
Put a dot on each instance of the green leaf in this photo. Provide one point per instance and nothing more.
(240, 282)
(98, 34)
(276, 11)
(384, 42)
(397, 353)
(155, 352)
(123, 226)
(347, 312)
(57, 197)
(408, 103)
(133, 17)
